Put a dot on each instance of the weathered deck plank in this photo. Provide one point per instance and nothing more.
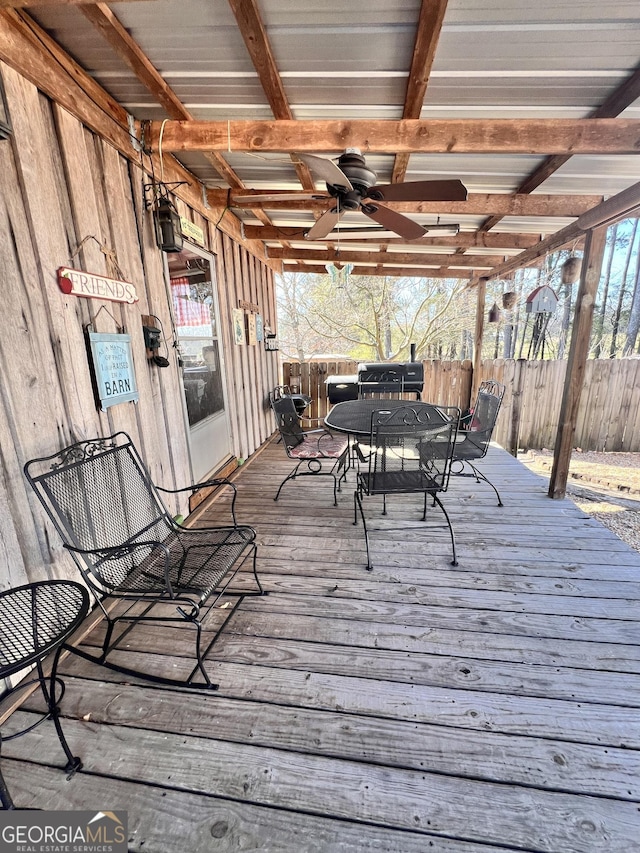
(491, 706)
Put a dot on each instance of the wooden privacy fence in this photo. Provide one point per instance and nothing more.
(608, 418)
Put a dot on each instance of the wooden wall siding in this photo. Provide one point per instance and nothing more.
(61, 184)
(608, 418)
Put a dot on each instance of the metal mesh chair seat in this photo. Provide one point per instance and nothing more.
(398, 482)
(471, 445)
(111, 518)
(198, 562)
(310, 447)
(410, 450)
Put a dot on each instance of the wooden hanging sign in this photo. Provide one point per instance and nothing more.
(94, 286)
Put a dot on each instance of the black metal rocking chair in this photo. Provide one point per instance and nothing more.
(113, 522)
(410, 450)
(472, 443)
(309, 448)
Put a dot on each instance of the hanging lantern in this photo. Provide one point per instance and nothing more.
(168, 228)
(571, 269)
(509, 299)
(494, 314)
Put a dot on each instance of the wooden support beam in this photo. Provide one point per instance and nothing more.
(465, 239)
(103, 19)
(476, 204)
(257, 43)
(424, 51)
(616, 103)
(397, 258)
(624, 204)
(433, 136)
(544, 247)
(481, 295)
(392, 272)
(578, 352)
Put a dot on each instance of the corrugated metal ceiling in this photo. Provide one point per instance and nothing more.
(337, 60)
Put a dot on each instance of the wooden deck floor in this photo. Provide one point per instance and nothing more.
(418, 707)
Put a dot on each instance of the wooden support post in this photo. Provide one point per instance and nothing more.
(477, 341)
(580, 335)
(516, 406)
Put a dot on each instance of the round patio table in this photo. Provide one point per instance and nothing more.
(36, 620)
(354, 416)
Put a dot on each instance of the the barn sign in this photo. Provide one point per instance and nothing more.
(113, 369)
(94, 286)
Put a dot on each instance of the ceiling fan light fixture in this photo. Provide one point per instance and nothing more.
(353, 186)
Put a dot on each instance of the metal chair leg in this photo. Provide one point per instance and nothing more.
(74, 763)
(454, 562)
(481, 476)
(358, 503)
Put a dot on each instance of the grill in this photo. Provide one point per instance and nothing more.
(342, 388)
(388, 377)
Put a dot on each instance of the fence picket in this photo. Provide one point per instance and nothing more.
(608, 417)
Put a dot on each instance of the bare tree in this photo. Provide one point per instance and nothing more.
(599, 324)
(633, 326)
(378, 317)
(618, 314)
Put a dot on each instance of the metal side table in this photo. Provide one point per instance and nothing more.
(36, 620)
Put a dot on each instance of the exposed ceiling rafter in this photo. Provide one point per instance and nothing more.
(465, 239)
(616, 103)
(424, 51)
(408, 258)
(392, 272)
(104, 20)
(477, 204)
(257, 42)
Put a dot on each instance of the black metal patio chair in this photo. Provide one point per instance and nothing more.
(410, 451)
(113, 522)
(473, 442)
(309, 448)
(300, 401)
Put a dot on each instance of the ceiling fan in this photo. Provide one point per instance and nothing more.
(352, 186)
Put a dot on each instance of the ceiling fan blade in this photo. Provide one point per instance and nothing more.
(419, 191)
(326, 169)
(393, 221)
(324, 225)
(259, 198)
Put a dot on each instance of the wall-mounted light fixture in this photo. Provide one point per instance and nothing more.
(5, 124)
(167, 225)
(166, 219)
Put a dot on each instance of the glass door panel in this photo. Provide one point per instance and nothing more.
(194, 302)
